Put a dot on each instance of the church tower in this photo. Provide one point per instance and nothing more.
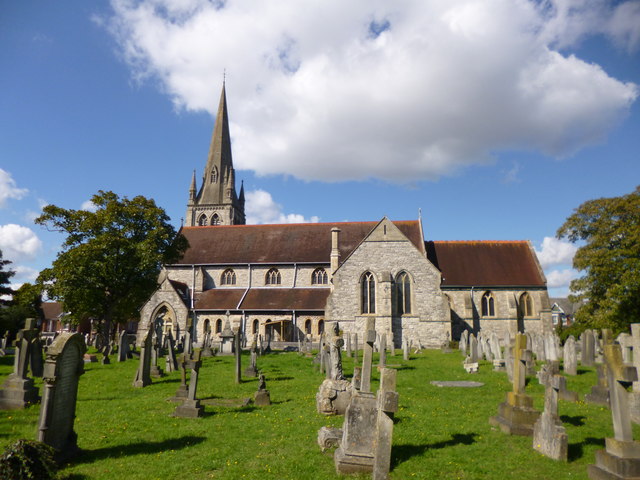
(216, 203)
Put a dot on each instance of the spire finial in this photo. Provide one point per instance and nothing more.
(224, 76)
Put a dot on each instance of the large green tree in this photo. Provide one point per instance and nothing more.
(609, 231)
(110, 259)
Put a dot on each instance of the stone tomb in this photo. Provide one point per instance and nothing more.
(18, 390)
(621, 457)
(516, 415)
(63, 366)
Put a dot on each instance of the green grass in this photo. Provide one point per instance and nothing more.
(441, 433)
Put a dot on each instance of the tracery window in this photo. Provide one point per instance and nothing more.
(526, 305)
(368, 293)
(202, 220)
(228, 277)
(214, 175)
(488, 305)
(403, 293)
(319, 277)
(215, 220)
(273, 277)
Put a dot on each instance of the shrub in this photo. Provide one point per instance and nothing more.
(27, 459)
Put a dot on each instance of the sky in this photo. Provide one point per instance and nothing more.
(492, 119)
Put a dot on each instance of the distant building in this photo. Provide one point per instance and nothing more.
(288, 280)
(562, 311)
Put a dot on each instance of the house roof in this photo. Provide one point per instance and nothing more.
(51, 310)
(262, 299)
(285, 243)
(486, 263)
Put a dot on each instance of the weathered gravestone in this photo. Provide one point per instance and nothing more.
(588, 356)
(252, 369)
(382, 359)
(18, 390)
(335, 392)
(262, 397)
(549, 436)
(471, 362)
(405, 349)
(226, 338)
(496, 351)
(123, 346)
(143, 373)
(634, 395)
(464, 340)
(36, 362)
(570, 360)
(237, 351)
(62, 370)
(171, 363)
(621, 457)
(191, 407)
(156, 345)
(516, 416)
(545, 376)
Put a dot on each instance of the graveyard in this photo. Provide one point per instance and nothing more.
(438, 431)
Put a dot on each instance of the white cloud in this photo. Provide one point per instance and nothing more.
(394, 90)
(89, 206)
(23, 275)
(260, 208)
(556, 252)
(560, 278)
(18, 242)
(9, 189)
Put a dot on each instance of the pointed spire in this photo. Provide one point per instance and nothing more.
(241, 197)
(192, 188)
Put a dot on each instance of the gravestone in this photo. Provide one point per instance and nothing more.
(206, 345)
(382, 360)
(355, 348)
(262, 397)
(405, 349)
(626, 345)
(63, 366)
(387, 398)
(348, 347)
(238, 356)
(498, 360)
(549, 436)
(106, 351)
(621, 456)
(335, 392)
(36, 362)
(143, 373)
(599, 394)
(171, 363)
(464, 340)
(546, 374)
(588, 348)
(18, 390)
(357, 377)
(156, 343)
(183, 390)
(191, 407)
(226, 338)
(252, 369)
(123, 346)
(471, 362)
(537, 342)
(367, 354)
(516, 416)
(570, 361)
(508, 361)
(634, 395)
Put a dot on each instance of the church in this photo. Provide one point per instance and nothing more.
(287, 281)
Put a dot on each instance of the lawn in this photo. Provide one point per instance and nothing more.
(439, 432)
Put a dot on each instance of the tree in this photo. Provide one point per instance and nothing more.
(111, 258)
(610, 259)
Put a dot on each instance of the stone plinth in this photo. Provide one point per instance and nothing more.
(262, 398)
(189, 409)
(329, 437)
(356, 451)
(18, 393)
(516, 416)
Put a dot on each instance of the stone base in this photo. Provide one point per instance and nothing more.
(181, 395)
(598, 396)
(90, 358)
(471, 367)
(189, 409)
(516, 416)
(329, 437)
(499, 365)
(18, 393)
(550, 438)
(262, 398)
(207, 352)
(612, 467)
(347, 464)
(333, 397)
(569, 396)
(250, 372)
(155, 372)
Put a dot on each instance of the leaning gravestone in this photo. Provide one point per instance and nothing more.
(18, 390)
(143, 374)
(62, 370)
(621, 457)
(516, 416)
(549, 436)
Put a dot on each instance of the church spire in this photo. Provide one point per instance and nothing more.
(192, 189)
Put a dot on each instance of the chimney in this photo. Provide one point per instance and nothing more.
(335, 253)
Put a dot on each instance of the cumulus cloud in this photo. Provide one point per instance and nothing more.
(555, 252)
(9, 189)
(23, 275)
(393, 90)
(560, 278)
(89, 206)
(18, 242)
(261, 208)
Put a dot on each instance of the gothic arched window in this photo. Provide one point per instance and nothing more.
(307, 326)
(219, 325)
(319, 277)
(320, 327)
(526, 305)
(403, 293)
(202, 220)
(214, 175)
(215, 220)
(368, 293)
(256, 326)
(273, 277)
(488, 305)
(228, 277)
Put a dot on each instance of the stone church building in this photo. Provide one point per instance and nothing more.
(288, 280)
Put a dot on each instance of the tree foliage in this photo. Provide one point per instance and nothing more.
(111, 258)
(5, 276)
(609, 258)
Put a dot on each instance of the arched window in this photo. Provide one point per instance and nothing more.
(368, 290)
(320, 327)
(488, 305)
(319, 277)
(219, 325)
(526, 305)
(215, 220)
(207, 326)
(403, 293)
(214, 175)
(256, 326)
(202, 220)
(228, 277)
(273, 277)
(307, 326)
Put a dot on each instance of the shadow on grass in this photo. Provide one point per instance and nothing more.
(405, 367)
(275, 379)
(72, 476)
(575, 450)
(167, 380)
(576, 421)
(131, 449)
(402, 453)
(7, 360)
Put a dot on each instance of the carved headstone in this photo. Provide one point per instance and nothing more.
(18, 390)
(143, 373)
(62, 370)
(549, 436)
(570, 361)
(588, 348)
(367, 354)
(335, 392)
(191, 406)
(226, 338)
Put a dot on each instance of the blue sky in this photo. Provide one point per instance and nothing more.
(496, 118)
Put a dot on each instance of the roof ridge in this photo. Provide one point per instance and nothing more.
(294, 224)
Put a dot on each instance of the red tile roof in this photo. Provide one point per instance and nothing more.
(486, 263)
(263, 299)
(286, 243)
(51, 310)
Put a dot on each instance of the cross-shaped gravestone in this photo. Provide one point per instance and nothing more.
(191, 406)
(22, 344)
(18, 390)
(367, 354)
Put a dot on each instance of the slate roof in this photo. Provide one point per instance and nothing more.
(285, 243)
(262, 299)
(486, 263)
